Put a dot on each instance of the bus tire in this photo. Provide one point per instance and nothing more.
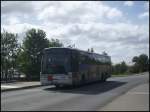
(103, 78)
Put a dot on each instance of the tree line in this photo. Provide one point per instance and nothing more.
(26, 57)
(140, 64)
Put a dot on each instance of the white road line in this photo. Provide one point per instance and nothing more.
(6, 86)
(137, 93)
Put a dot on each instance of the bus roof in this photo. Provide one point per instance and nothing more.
(76, 50)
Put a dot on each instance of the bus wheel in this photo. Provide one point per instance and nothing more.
(103, 78)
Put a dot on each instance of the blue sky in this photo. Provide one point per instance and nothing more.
(131, 12)
(121, 28)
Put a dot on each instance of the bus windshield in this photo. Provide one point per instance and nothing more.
(55, 63)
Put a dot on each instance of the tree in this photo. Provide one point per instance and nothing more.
(22, 60)
(35, 41)
(120, 68)
(116, 69)
(9, 50)
(135, 59)
(55, 43)
(124, 67)
(29, 57)
(141, 63)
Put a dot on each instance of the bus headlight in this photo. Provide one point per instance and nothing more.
(69, 75)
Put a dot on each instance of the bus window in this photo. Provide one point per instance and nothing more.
(55, 63)
(74, 62)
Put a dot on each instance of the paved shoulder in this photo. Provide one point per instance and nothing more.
(137, 99)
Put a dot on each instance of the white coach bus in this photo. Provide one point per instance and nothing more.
(68, 66)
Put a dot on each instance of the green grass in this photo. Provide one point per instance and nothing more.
(126, 74)
(120, 75)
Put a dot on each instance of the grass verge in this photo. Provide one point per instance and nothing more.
(121, 75)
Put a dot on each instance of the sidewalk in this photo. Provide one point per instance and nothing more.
(136, 99)
(18, 85)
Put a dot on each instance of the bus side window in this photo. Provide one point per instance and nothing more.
(74, 62)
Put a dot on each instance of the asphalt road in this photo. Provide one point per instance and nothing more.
(89, 97)
(136, 99)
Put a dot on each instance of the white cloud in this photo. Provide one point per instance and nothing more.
(18, 28)
(70, 12)
(146, 13)
(143, 15)
(114, 13)
(146, 5)
(13, 20)
(128, 3)
(16, 7)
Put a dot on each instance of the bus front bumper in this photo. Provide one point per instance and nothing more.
(56, 80)
(61, 80)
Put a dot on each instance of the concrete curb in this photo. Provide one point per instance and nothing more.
(19, 88)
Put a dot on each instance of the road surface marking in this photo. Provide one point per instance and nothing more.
(6, 86)
(137, 93)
